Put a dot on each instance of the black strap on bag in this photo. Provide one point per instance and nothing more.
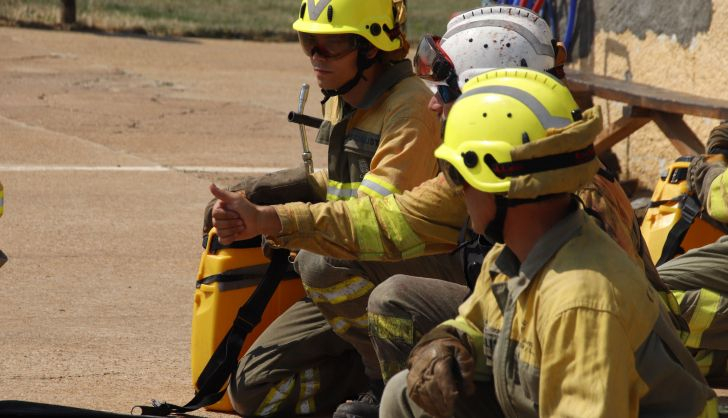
(690, 207)
(224, 360)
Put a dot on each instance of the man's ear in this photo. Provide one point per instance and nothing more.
(559, 54)
(372, 52)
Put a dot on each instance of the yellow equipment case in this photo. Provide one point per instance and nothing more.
(227, 277)
(674, 222)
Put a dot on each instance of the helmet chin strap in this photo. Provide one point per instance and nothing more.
(494, 230)
(362, 63)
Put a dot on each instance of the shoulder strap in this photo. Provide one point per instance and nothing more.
(690, 209)
(224, 361)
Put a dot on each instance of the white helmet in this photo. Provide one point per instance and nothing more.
(497, 37)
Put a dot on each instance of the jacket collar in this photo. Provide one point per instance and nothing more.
(546, 247)
(391, 76)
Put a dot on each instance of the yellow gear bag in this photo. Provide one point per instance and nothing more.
(674, 222)
(226, 278)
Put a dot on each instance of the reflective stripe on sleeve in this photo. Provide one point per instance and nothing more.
(366, 229)
(396, 227)
(275, 397)
(349, 289)
(376, 186)
(310, 384)
(341, 191)
(341, 324)
(703, 315)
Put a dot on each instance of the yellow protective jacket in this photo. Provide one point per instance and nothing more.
(385, 144)
(576, 330)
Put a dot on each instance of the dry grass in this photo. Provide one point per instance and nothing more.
(247, 19)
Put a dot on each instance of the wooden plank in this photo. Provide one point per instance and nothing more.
(679, 133)
(646, 96)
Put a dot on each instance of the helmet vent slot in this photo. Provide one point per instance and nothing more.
(330, 13)
(303, 10)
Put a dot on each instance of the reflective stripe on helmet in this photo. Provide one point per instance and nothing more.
(538, 46)
(539, 110)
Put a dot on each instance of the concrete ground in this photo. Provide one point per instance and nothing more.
(107, 146)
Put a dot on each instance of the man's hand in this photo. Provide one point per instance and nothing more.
(439, 372)
(236, 218)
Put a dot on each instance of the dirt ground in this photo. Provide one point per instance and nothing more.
(107, 146)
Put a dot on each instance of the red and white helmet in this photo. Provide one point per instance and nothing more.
(497, 37)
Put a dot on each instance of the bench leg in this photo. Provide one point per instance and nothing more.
(679, 133)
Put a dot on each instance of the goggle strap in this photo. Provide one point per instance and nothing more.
(540, 164)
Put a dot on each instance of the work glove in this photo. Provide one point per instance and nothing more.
(440, 371)
(701, 173)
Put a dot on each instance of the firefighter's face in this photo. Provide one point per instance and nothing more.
(481, 208)
(333, 58)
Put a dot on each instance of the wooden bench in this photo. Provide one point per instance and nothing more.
(643, 104)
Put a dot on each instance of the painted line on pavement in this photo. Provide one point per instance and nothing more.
(132, 168)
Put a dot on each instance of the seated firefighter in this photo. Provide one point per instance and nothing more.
(561, 321)
(381, 138)
(698, 277)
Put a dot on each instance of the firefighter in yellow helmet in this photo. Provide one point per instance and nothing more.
(561, 322)
(381, 138)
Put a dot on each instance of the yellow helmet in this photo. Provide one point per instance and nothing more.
(379, 21)
(512, 132)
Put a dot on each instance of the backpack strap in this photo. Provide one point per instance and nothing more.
(223, 363)
(690, 207)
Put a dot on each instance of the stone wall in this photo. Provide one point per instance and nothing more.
(673, 44)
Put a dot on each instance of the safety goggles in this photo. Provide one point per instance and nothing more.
(432, 63)
(447, 94)
(452, 175)
(327, 46)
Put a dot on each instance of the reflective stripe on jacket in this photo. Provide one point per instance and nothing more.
(384, 145)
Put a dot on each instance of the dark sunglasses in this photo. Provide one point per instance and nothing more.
(327, 46)
(452, 175)
(447, 93)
